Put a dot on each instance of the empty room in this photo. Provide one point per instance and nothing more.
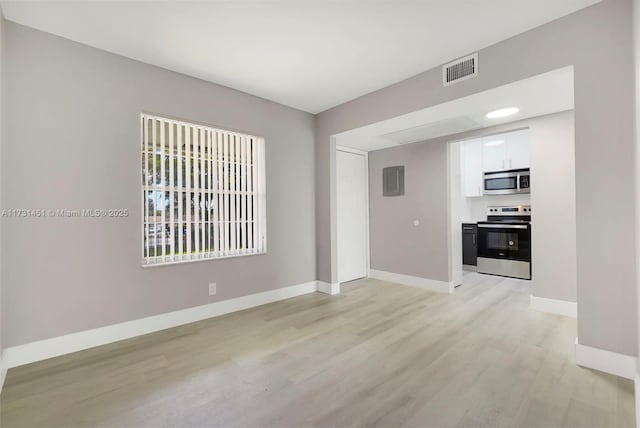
(280, 213)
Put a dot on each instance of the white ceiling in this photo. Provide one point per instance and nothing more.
(307, 54)
(546, 93)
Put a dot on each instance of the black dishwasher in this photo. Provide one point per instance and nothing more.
(469, 246)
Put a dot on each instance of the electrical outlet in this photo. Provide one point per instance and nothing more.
(212, 288)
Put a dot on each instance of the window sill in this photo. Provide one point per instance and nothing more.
(181, 262)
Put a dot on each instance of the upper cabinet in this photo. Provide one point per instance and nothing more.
(518, 149)
(471, 158)
(494, 152)
(498, 152)
(506, 151)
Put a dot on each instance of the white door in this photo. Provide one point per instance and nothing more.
(494, 153)
(353, 243)
(518, 149)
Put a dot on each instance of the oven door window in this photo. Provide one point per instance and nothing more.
(505, 183)
(504, 243)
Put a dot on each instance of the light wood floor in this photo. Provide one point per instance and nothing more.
(379, 354)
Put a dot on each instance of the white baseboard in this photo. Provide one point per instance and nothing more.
(326, 288)
(606, 361)
(35, 351)
(414, 281)
(3, 369)
(553, 306)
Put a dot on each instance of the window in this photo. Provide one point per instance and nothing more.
(203, 192)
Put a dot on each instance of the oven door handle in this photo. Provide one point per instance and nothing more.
(503, 226)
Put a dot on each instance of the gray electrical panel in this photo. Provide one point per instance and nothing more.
(393, 181)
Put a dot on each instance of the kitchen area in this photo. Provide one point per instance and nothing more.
(496, 210)
(477, 197)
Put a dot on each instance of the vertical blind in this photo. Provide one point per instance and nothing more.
(203, 192)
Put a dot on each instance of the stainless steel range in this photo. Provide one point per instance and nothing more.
(504, 242)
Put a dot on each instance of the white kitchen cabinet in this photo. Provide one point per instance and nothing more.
(518, 149)
(506, 151)
(494, 152)
(471, 158)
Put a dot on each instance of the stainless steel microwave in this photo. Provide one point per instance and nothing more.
(507, 182)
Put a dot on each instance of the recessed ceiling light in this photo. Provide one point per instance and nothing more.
(494, 143)
(503, 112)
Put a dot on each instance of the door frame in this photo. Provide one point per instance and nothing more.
(454, 213)
(367, 252)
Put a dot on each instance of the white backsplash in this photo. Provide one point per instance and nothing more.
(475, 209)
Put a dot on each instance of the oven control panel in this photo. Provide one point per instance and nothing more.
(510, 210)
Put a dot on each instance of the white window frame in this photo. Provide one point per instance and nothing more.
(228, 183)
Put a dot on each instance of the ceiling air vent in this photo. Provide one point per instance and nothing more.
(460, 69)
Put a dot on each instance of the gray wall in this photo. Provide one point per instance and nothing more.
(2, 316)
(396, 245)
(72, 141)
(636, 57)
(598, 42)
(553, 199)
